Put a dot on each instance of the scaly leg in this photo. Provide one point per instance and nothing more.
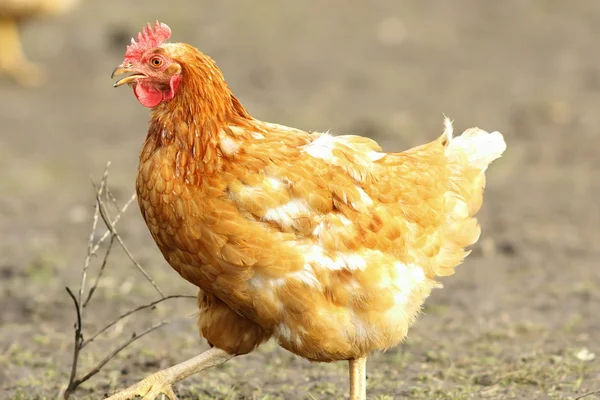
(12, 59)
(161, 381)
(358, 378)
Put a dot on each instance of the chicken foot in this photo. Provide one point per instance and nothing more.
(12, 60)
(161, 382)
(358, 378)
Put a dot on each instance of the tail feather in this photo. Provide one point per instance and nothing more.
(469, 156)
(479, 146)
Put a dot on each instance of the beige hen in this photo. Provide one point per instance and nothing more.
(324, 243)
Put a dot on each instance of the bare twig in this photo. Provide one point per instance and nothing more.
(112, 229)
(112, 198)
(132, 311)
(587, 395)
(86, 263)
(104, 198)
(114, 223)
(80, 343)
(78, 340)
(112, 355)
(100, 272)
(76, 345)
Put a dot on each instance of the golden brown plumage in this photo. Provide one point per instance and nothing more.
(322, 242)
(12, 13)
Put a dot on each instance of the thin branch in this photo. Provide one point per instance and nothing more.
(89, 255)
(132, 311)
(112, 198)
(114, 223)
(587, 395)
(76, 345)
(105, 201)
(112, 229)
(100, 272)
(112, 355)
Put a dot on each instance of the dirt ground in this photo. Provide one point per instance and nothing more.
(519, 320)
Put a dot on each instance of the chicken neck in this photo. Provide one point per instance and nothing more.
(193, 119)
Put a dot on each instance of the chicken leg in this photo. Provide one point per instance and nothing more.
(161, 381)
(358, 378)
(12, 59)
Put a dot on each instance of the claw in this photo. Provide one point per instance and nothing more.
(161, 381)
(148, 389)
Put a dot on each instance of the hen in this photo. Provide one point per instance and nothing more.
(12, 60)
(324, 243)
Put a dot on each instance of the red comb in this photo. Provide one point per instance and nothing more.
(148, 39)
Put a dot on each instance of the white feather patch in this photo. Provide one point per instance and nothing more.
(480, 146)
(375, 155)
(407, 278)
(285, 214)
(275, 183)
(228, 145)
(322, 147)
(267, 287)
(314, 256)
(365, 200)
(306, 276)
(282, 331)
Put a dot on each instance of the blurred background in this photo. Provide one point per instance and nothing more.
(519, 320)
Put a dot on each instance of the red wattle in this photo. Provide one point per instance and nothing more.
(148, 96)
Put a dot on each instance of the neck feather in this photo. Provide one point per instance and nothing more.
(202, 106)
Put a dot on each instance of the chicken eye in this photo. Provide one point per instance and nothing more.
(156, 61)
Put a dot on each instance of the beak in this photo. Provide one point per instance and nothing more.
(120, 70)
